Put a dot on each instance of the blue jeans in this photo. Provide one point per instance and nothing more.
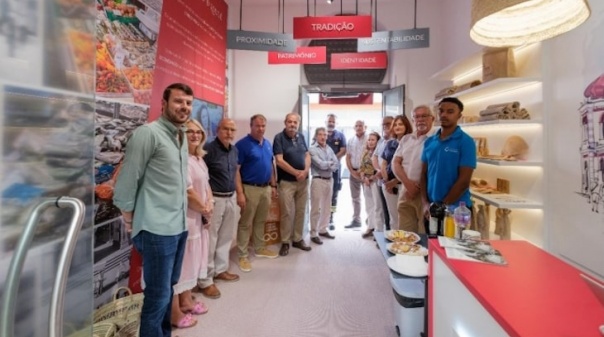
(162, 261)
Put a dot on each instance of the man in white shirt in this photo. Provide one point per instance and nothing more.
(407, 167)
(355, 148)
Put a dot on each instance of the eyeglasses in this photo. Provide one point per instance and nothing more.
(421, 116)
(194, 132)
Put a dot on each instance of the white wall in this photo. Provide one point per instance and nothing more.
(572, 62)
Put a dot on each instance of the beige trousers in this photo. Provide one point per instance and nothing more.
(411, 215)
(293, 196)
(253, 218)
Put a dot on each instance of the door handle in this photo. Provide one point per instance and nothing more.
(55, 323)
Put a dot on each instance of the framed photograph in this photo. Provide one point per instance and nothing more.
(209, 115)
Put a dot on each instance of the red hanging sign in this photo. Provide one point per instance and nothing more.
(303, 55)
(332, 27)
(377, 60)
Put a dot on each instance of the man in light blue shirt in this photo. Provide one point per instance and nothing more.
(151, 193)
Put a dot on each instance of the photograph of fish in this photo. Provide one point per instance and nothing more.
(114, 123)
(209, 115)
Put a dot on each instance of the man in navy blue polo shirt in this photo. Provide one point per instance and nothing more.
(448, 159)
(258, 179)
(293, 165)
(221, 159)
(337, 142)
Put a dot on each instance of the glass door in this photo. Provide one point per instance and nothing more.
(47, 109)
(393, 101)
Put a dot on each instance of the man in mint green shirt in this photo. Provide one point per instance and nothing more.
(151, 193)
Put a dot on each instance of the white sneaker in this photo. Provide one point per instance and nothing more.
(265, 252)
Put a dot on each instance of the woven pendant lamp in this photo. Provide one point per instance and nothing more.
(506, 23)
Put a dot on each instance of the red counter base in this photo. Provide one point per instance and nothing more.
(535, 295)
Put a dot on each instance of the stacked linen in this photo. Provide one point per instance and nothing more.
(509, 110)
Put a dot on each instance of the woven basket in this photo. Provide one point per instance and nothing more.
(131, 329)
(120, 311)
(101, 329)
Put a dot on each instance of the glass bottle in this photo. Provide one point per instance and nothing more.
(449, 223)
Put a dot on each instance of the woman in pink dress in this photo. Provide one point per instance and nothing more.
(200, 207)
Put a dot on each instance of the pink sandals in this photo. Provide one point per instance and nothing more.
(186, 322)
(199, 309)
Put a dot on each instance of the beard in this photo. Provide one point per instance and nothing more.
(177, 116)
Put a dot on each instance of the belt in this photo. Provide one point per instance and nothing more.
(319, 177)
(223, 194)
(257, 185)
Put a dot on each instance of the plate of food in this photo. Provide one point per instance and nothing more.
(397, 235)
(404, 248)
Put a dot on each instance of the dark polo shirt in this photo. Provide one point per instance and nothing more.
(336, 141)
(222, 166)
(294, 153)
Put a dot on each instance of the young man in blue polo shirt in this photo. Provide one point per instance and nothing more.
(448, 159)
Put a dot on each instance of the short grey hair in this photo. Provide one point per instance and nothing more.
(423, 106)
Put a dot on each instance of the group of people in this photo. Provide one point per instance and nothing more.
(409, 166)
(179, 194)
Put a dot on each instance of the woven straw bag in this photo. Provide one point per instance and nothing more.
(120, 311)
(131, 329)
(101, 329)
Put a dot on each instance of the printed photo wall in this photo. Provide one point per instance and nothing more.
(192, 49)
(141, 49)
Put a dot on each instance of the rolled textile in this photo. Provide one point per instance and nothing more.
(522, 114)
(507, 111)
(500, 109)
(488, 112)
(488, 118)
(469, 85)
(513, 104)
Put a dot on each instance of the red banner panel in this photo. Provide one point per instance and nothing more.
(346, 98)
(377, 60)
(332, 27)
(191, 49)
(303, 55)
